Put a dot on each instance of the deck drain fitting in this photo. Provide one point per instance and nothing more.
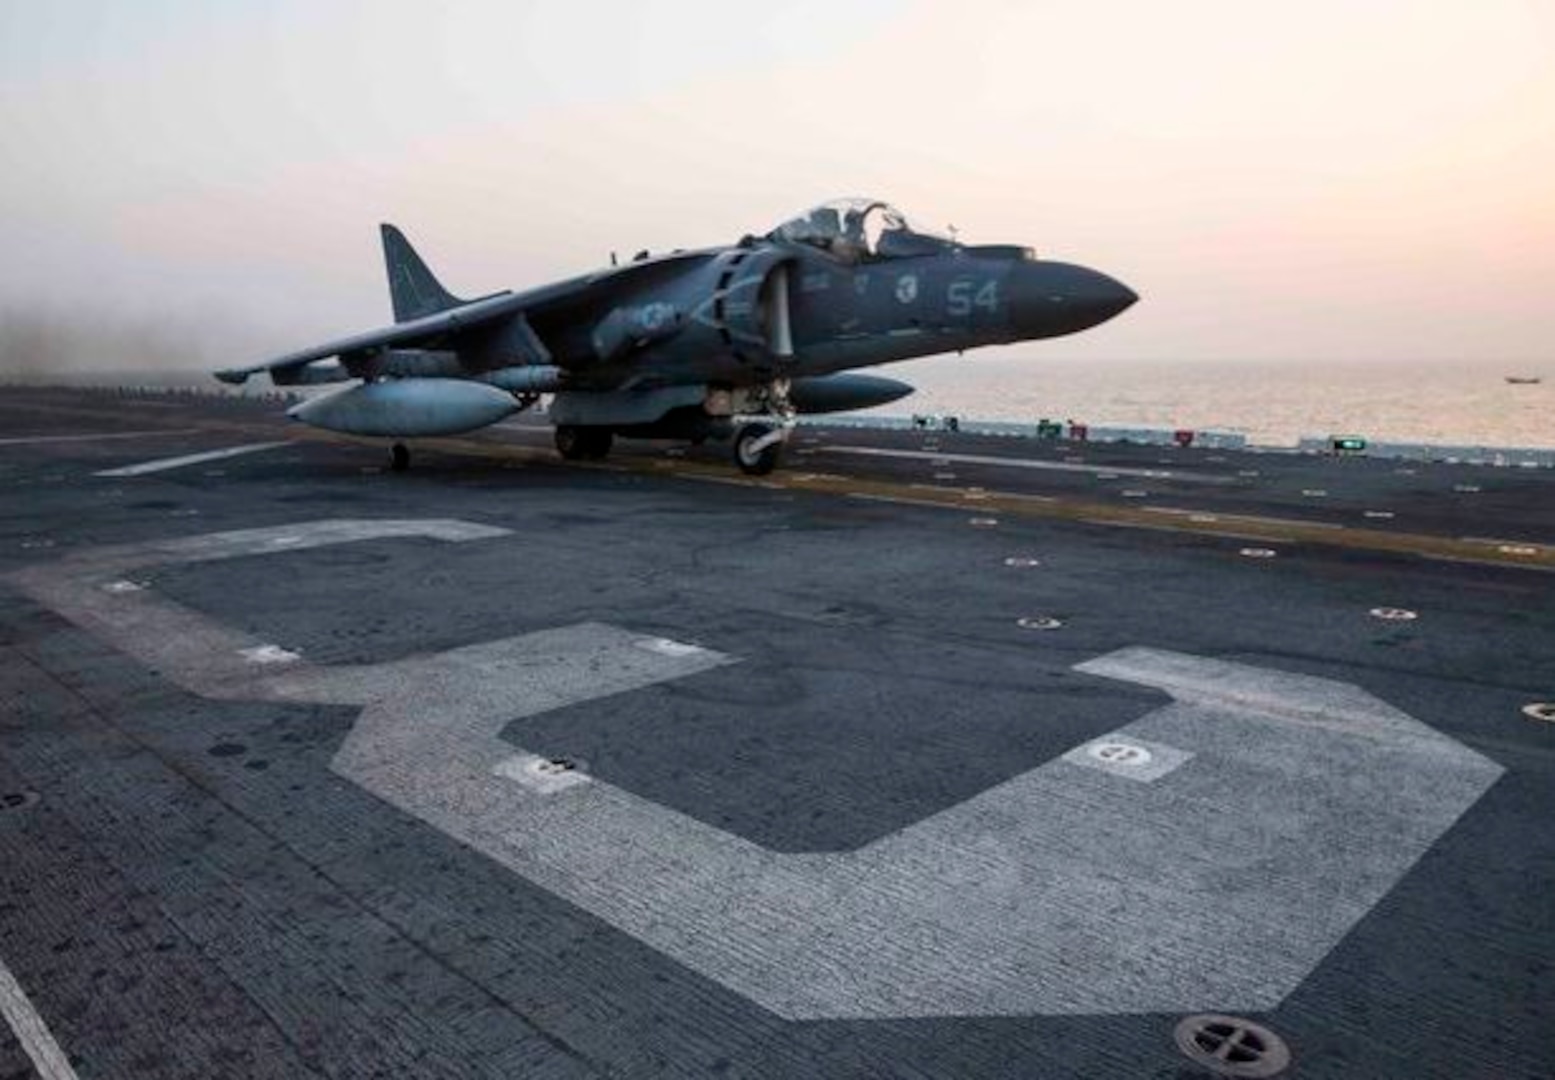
(1540, 710)
(18, 800)
(1393, 614)
(1022, 561)
(1257, 553)
(1232, 1046)
(1038, 622)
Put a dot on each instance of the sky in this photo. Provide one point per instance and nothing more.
(196, 182)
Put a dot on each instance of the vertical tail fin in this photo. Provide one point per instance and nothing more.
(412, 288)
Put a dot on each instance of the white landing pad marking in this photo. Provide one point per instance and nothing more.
(1208, 854)
(30, 440)
(31, 1031)
(1025, 463)
(164, 464)
(268, 654)
(540, 774)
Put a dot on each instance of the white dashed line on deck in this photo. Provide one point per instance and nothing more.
(164, 464)
(100, 437)
(1025, 463)
(31, 1031)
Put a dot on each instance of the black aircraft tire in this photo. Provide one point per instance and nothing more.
(760, 462)
(399, 457)
(571, 441)
(583, 442)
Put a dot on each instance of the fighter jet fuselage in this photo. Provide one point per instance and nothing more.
(719, 342)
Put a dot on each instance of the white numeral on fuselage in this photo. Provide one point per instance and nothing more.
(960, 300)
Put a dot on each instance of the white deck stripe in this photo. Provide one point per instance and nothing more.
(1025, 463)
(100, 437)
(163, 464)
(31, 1031)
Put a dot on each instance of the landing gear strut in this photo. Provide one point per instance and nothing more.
(757, 448)
(758, 443)
(399, 457)
(579, 442)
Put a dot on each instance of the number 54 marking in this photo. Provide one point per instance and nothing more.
(960, 300)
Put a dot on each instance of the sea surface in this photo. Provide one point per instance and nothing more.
(1274, 404)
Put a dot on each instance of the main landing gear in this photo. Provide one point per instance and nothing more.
(579, 442)
(399, 457)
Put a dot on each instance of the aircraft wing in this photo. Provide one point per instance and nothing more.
(425, 331)
(430, 331)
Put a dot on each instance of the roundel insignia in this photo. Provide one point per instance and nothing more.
(907, 288)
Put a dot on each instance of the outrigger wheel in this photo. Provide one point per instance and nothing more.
(757, 448)
(399, 457)
(579, 442)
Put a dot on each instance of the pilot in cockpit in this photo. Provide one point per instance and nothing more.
(851, 245)
(843, 230)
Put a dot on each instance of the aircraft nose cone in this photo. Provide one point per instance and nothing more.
(1052, 298)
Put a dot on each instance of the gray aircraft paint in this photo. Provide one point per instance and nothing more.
(782, 306)
(1207, 855)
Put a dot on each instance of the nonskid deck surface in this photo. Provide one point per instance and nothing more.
(929, 755)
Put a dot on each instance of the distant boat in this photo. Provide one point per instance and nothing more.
(1525, 380)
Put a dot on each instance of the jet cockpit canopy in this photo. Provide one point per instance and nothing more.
(858, 229)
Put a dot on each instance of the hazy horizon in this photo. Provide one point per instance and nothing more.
(1361, 183)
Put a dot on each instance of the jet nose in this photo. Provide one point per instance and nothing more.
(1052, 298)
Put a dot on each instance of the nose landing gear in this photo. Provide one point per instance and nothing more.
(758, 447)
(765, 414)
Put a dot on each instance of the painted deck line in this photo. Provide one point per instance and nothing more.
(869, 496)
(1269, 530)
(102, 437)
(164, 464)
(31, 1031)
(1025, 463)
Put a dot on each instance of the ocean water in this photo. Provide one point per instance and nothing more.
(1274, 404)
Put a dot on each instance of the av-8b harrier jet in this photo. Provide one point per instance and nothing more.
(724, 342)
